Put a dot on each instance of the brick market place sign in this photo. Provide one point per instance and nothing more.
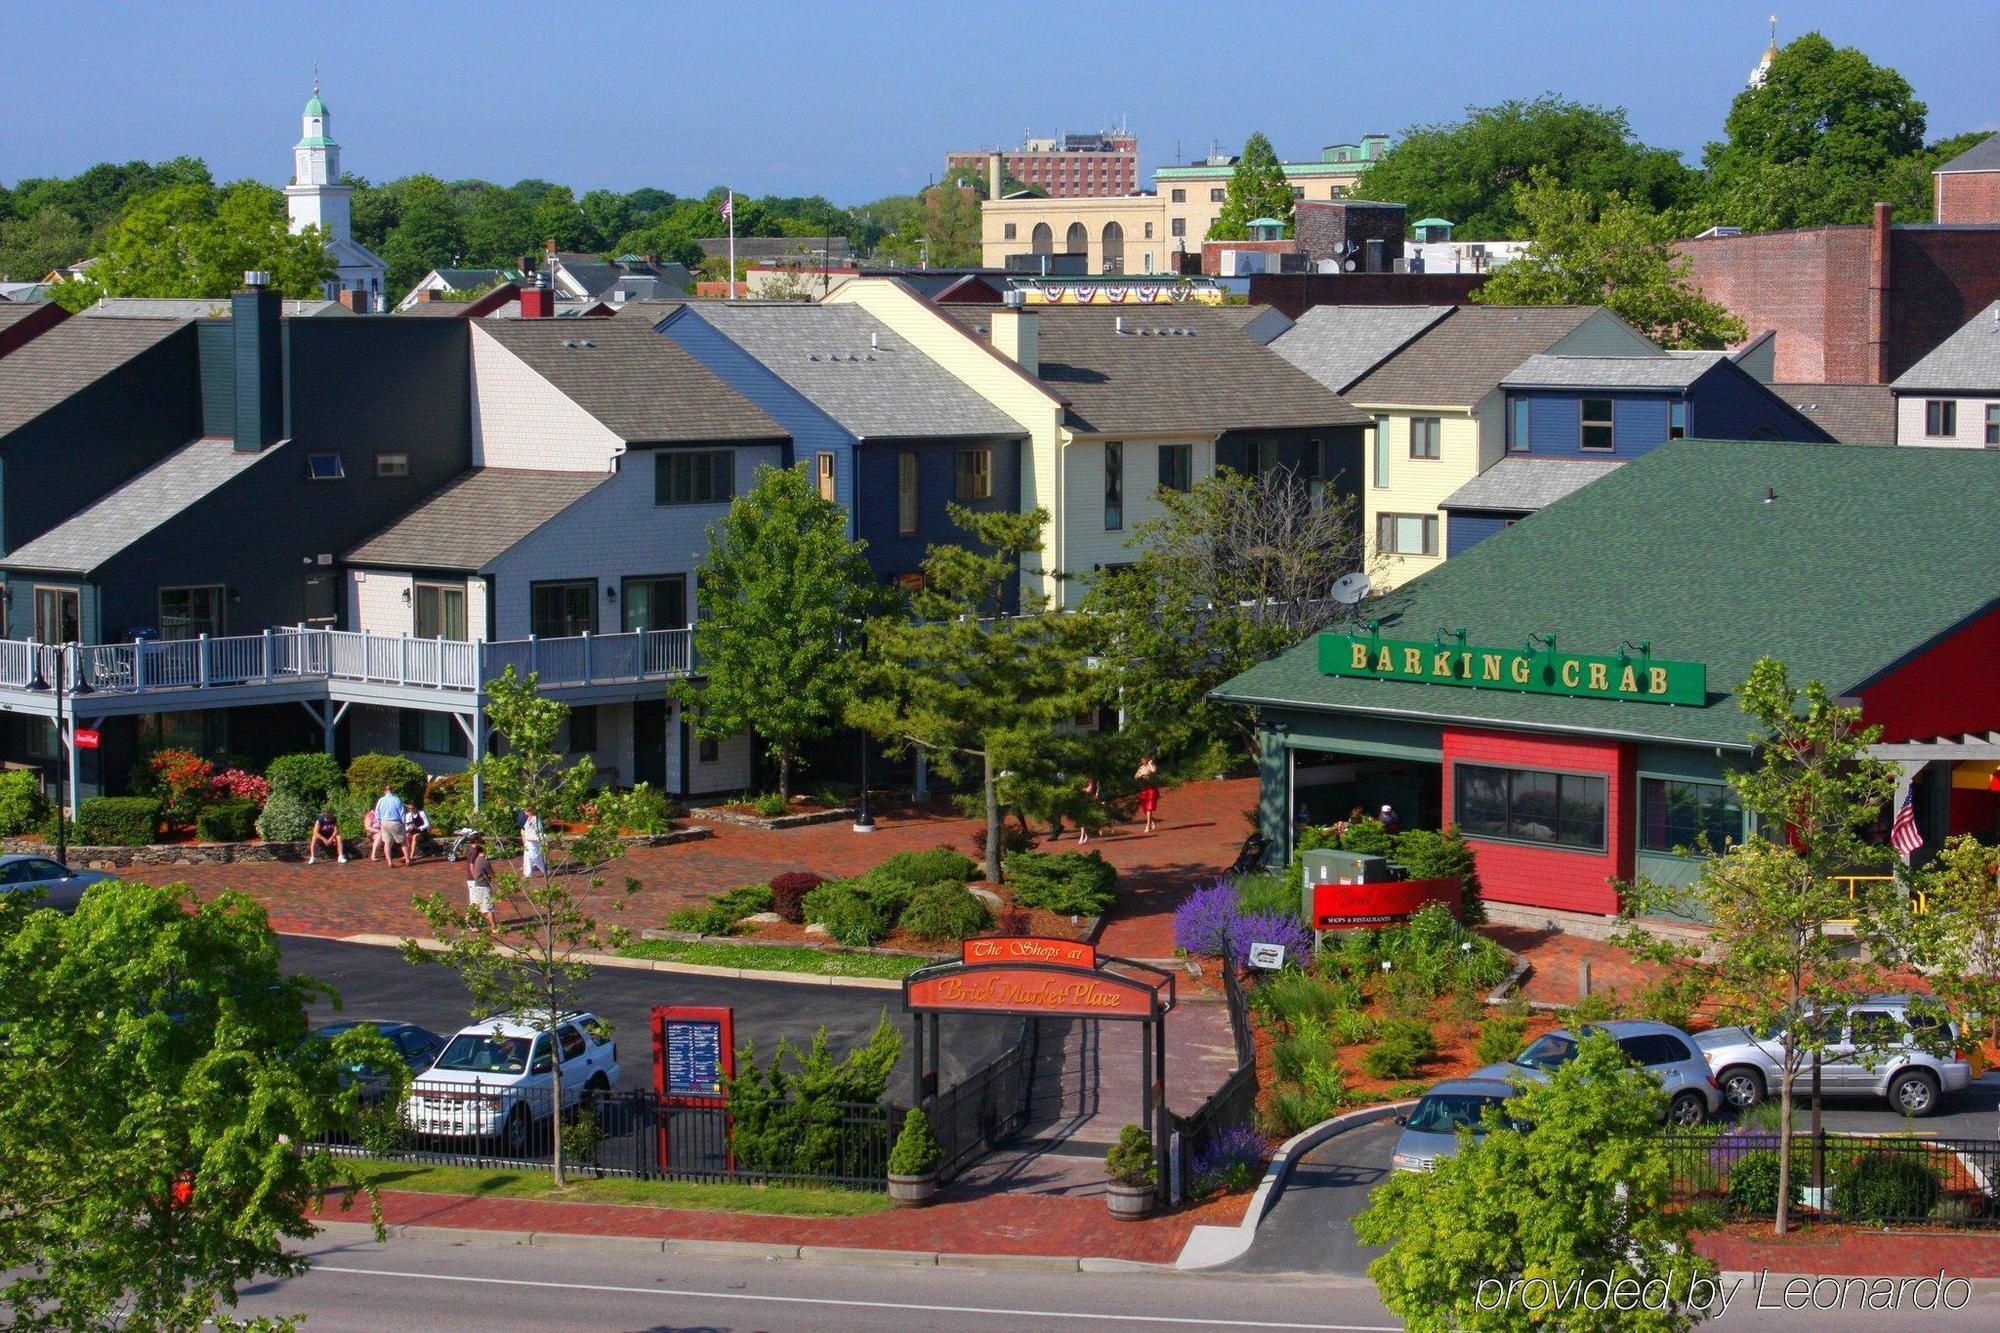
(1036, 986)
(1639, 677)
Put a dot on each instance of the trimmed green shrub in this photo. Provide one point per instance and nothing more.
(746, 900)
(288, 816)
(1367, 836)
(118, 821)
(944, 912)
(1430, 855)
(888, 894)
(848, 914)
(349, 807)
(642, 810)
(1404, 1044)
(788, 894)
(919, 868)
(916, 1152)
(1752, 1184)
(770, 805)
(370, 773)
(22, 805)
(1885, 1187)
(708, 919)
(1500, 1039)
(311, 777)
(234, 820)
(1130, 1161)
(1066, 883)
(1273, 894)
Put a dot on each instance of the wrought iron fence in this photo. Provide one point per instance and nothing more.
(987, 1104)
(1864, 1178)
(634, 1132)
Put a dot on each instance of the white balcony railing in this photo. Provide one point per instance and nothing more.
(281, 655)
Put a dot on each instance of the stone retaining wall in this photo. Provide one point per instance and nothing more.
(709, 814)
(236, 853)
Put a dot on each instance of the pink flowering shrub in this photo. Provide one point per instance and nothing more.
(235, 784)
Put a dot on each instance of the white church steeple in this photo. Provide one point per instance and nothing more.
(317, 198)
(1762, 74)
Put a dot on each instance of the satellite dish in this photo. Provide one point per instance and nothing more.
(1349, 266)
(1349, 589)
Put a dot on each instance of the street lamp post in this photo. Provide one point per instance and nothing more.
(863, 821)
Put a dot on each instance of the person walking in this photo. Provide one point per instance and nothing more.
(1091, 791)
(532, 858)
(326, 833)
(479, 882)
(390, 814)
(1149, 794)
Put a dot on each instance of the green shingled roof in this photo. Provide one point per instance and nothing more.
(1863, 557)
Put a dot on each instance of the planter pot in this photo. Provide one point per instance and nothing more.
(913, 1191)
(1129, 1203)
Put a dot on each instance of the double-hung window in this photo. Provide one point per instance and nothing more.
(1381, 451)
(694, 476)
(1114, 486)
(1528, 805)
(1993, 424)
(1941, 418)
(975, 475)
(1517, 425)
(1677, 419)
(823, 474)
(1595, 425)
(1176, 467)
(1406, 534)
(1424, 437)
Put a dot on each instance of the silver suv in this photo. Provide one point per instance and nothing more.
(1876, 1053)
(1664, 1051)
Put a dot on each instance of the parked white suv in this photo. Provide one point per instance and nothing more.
(496, 1078)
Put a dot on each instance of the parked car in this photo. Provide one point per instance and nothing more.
(496, 1077)
(64, 887)
(1664, 1051)
(1430, 1130)
(1877, 1053)
(419, 1046)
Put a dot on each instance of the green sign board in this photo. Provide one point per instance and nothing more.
(1638, 677)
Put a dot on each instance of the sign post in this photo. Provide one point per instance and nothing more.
(694, 1057)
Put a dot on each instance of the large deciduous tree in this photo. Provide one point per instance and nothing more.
(1817, 143)
(974, 688)
(1611, 253)
(428, 233)
(194, 240)
(159, 1108)
(1467, 170)
(782, 591)
(1236, 570)
(1814, 796)
(1583, 1197)
(33, 246)
(533, 961)
(1257, 189)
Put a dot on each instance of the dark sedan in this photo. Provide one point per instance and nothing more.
(64, 887)
(419, 1047)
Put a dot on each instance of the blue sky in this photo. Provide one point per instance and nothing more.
(855, 101)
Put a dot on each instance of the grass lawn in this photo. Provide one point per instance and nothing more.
(777, 1200)
(775, 958)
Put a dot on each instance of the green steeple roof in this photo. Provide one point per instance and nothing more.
(315, 107)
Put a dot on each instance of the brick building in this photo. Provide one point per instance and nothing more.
(1076, 166)
(1851, 304)
(1967, 188)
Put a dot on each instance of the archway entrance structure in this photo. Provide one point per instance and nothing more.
(1030, 977)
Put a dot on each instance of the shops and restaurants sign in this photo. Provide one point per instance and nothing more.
(1638, 677)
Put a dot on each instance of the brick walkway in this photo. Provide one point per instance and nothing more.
(1200, 829)
(1557, 959)
(1037, 1224)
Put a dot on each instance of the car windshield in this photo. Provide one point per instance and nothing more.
(485, 1053)
(1550, 1052)
(1442, 1113)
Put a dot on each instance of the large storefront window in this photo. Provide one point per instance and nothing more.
(1523, 805)
(1675, 813)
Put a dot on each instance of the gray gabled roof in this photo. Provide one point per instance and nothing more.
(1966, 362)
(1549, 371)
(1982, 156)
(1850, 413)
(634, 380)
(90, 537)
(1338, 344)
(69, 357)
(1463, 357)
(856, 369)
(476, 519)
(1524, 484)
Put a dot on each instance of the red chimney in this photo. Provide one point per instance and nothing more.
(538, 302)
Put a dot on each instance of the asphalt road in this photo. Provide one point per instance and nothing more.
(375, 982)
(1311, 1227)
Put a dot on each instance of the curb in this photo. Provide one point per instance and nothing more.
(649, 965)
(1208, 1247)
(739, 1249)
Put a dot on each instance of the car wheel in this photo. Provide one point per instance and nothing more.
(520, 1129)
(1742, 1086)
(1687, 1110)
(1913, 1093)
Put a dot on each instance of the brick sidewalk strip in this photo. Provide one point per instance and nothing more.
(992, 1224)
(1854, 1253)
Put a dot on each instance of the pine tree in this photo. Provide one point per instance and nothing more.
(1257, 190)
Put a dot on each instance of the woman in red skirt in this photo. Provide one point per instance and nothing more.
(1149, 795)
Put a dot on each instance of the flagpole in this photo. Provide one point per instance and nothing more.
(731, 211)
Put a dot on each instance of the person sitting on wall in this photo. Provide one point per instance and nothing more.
(326, 833)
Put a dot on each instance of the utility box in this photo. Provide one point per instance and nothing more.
(1333, 867)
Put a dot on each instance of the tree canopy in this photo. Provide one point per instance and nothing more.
(196, 240)
(1612, 253)
(1467, 170)
(1257, 189)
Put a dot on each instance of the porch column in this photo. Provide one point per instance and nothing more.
(75, 768)
(477, 734)
(1274, 794)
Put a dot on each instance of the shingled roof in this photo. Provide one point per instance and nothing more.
(1637, 556)
(75, 353)
(637, 382)
(1462, 358)
(1966, 362)
(1982, 156)
(1338, 344)
(1850, 413)
(1161, 369)
(1524, 483)
(476, 519)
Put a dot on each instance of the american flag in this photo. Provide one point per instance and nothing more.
(1903, 835)
(729, 204)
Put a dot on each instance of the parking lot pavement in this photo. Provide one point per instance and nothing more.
(375, 982)
(1972, 1114)
(1311, 1227)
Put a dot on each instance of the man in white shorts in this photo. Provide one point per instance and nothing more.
(479, 882)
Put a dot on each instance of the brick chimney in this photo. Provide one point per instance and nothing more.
(353, 298)
(259, 357)
(995, 173)
(1878, 295)
(1017, 335)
